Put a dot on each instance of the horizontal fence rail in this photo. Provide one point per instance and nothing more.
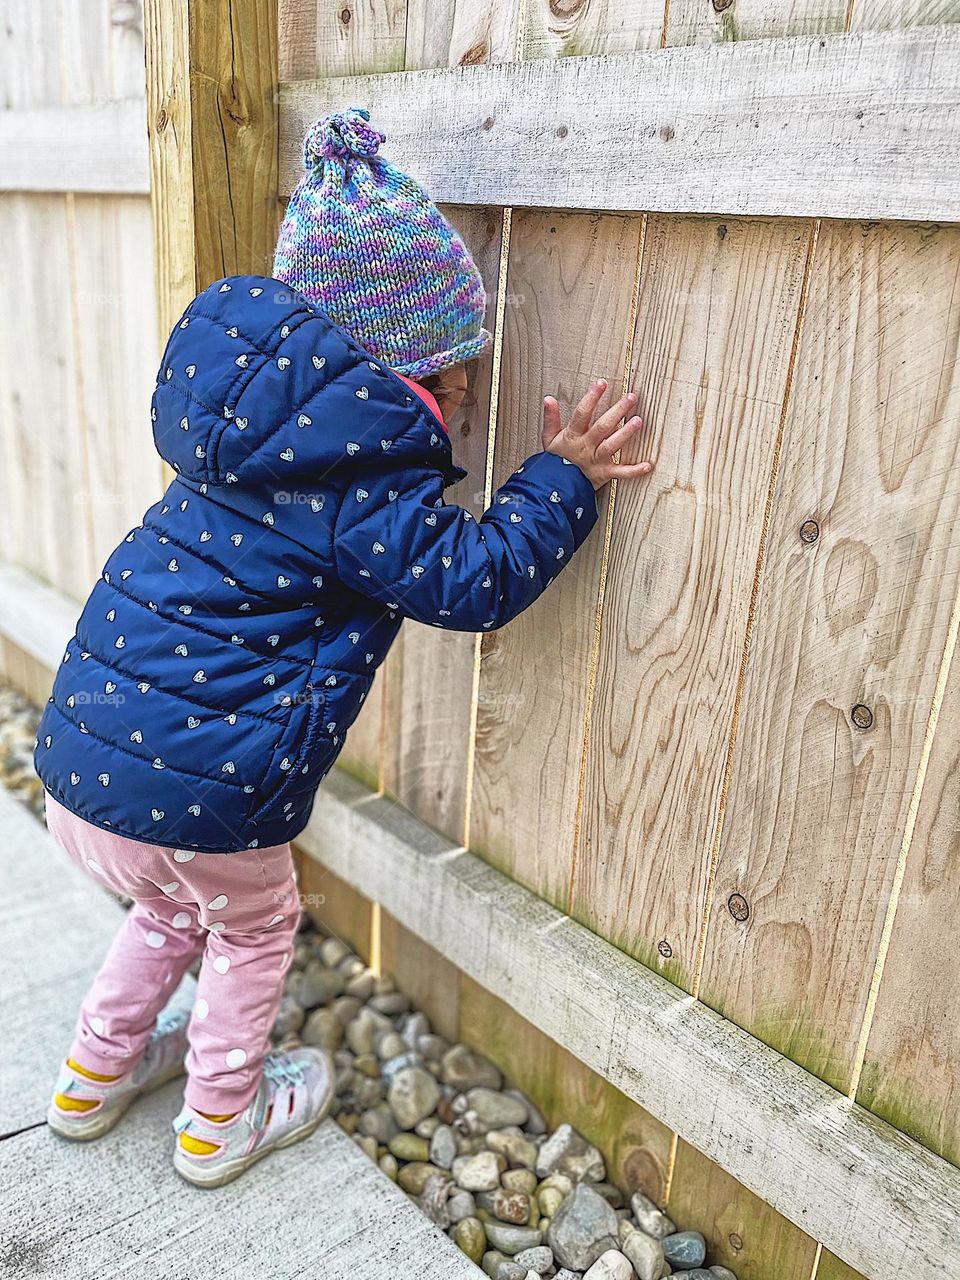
(848, 126)
(871, 1195)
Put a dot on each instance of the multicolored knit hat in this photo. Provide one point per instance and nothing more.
(366, 243)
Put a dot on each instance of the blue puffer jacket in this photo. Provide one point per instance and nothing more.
(227, 648)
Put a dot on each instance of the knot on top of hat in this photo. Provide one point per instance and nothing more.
(342, 136)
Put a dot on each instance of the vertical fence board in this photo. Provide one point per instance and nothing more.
(580, 28)
(911, 1073)
(744, 1234)
(337, 908)
(360, 37)
(459, 33)
(706, 21)
(716, 320)
(858, 615)
(636, 1145)
(885, 15)
(566, 322)
(429, 672)
(831, 1268)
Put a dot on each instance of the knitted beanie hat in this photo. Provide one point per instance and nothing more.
(366, 243)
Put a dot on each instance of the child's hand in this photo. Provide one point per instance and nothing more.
(591, 445)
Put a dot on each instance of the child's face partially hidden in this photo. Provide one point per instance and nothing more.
(448, 387)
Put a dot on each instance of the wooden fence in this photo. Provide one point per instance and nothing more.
(714, 770)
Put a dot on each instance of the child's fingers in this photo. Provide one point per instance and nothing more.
(583, 414)
(617, 439)
(608, 421)
(552, 422)
(630, 470)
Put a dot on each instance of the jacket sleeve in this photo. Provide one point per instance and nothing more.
(397, 541)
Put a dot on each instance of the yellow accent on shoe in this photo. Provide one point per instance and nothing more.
(196, 1146)
(91, 1075)
(216, 1119)
(66, 1103)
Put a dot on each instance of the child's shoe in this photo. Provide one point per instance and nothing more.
(86, 1106)
(294, 1096)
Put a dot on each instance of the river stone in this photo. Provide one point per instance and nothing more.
(346, 1008)
(496, 1110)
(539, 1260)
(645, 1253)
(550, 1199)
(390, 1068)
(464, 1069)
(379, 1123)
(432, 1047)
(390, 1045)
(478, 1173)
(414, 1177)
(567, 1151)
(513, 1144)
(611, 1265)
(412, 1096)
(407, 1146)
(650, 1218)
(508, 1206)
(316, 985)
(582, 1229)
(415, 1028)
(698, 1273)
(535, 1123)
(471, 1237)
(366, 1144)
(391, 1003)
(361, 985)
(511, 1240)
(367, 1064)
(519, 1180)
(289, 1018)
(461, 1205)
(361, 1033)
(722, 1273)
(443, 1146)
(324, 1029)
(685, 1249)
(332, 951)
(388, 1165)
(491, 1260)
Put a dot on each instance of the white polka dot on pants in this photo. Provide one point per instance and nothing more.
(97, 1025)
(183, 855)
(218, 902)
(236, 1058)
(217, 927)
(95, 867)
(181, 920)
(201, 1008)
(221, 964)
(275, 920)
(154, 939)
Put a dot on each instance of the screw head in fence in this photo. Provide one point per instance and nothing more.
(861, 716)
(809, 531)
(665, 949)
(738, 906)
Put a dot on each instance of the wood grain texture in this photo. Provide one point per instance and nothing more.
(581, 28)
(834, 126)
(567, 322)
(459, 33)
(337, 907)
(855, 617)
(831, 1268)
(715, 325)
(743, 1233)
(911, 1073)
(704, 21)
(882, 15)
(431, 981)
(99, 147)
(635, 1145)
(430, 672)
(876, 1198)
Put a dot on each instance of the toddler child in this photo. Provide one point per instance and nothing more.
(234, 634)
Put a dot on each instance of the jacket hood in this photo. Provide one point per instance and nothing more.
(257, 384)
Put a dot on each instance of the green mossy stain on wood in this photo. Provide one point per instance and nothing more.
(932, 1121)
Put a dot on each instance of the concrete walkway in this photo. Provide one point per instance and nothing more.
(115, 1207)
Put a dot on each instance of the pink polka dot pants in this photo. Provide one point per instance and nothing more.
(237, 911)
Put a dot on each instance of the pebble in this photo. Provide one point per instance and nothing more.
(491, 1260)
(496, 1110)
(685, 1249)
(432, 1047)
(509, 1239)
(361, 1033)
(535, 1121)
(367, 1144)
(324, 1029)
(390, 1045)
(391, 1003)
(583, 1228)
(513, 1144)
(332, 951)
(400, 1063)
(389, 1166)
(360, 986)
(289, 1018)
(645, 1253)
(427, 1128)
(465, 1069)
(508, 1206)
(567, 1151)
(407, 1146)
(316, 985)
(478, 1173)
(433, 1199)
(461, 1205)
(550, 1199)
(413, 1177)
(722, 1273)
(519, 1180)
(415, 1028)
(443, 1146)
(611, 1265)
(412, 1096)
(346, 1008)
(539, 1259)
(650, 1217)
(378, 1122)
(469, 1234)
